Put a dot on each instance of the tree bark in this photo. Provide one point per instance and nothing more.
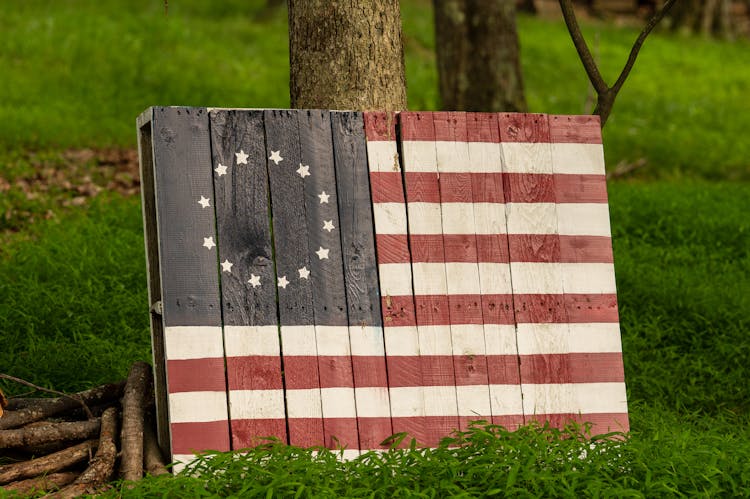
(133, 409)
(30, 436)
(41, 483)
(47, 464)
(708, 17)
(153, 461)
(478, 55)
(346, 55)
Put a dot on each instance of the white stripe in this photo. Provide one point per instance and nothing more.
(525, 157)
(583, 219)
(500, 339)
(575, 398)
(401, 340)
(333, 340)
(450, 218)
(298, 340)
(429, 278)
(366, 340)
(407, 401)
(534, 339)
(256, 404)
(193, 342)
(474, 400)
(181, 461)
(395, 279)
(194, 407)
(468, 339)
(382, 156)
(485, 157)
(390, 218)
(338, 402)
(495, 278)
(245, 341)
(532, 278)
(580, 159)
(588, 277)
(489, 218)
(424, 218)
(440, 401)
(419, 156)
(372, 402)
(303, 403)
(506, 400)
(435, 340)
(452, 156)
(531, 218)
(349, 454)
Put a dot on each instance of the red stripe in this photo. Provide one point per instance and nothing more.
(571, 188)
(254, 432)
(604, 367)
(450, 126)
(301, 372)
(438, 427)
(416, 126)
(482, 127)
(470, 369)
(574, 308)
(386, 187)
(392, 248)
(398, 311)
(510, 422)
(254, 373)
(583, 308)
(503, 370)
(604, 422)
(486, 187)
(373, 431)
(197, 437)
(305, 432)
(585, 249)
(534, 247)
(464, 309)
(340, 433)
(422, 187)
(529, 188)
(575, 129)
(380, 125)
(414, 428)
(196, 375)
(369, 370)
(456, 188)
(492, 248)
(517, 127)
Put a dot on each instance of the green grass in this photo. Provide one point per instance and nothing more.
(73, 299)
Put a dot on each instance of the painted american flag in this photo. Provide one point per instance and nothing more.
(354, 275)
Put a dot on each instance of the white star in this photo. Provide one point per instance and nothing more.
(323, 197)
(283, 282)
(276, 157)
(328, 225)
(226, 266)
(241, 157)
(303, 273)
(254, 280)
(221, 169)
(322, 253)
(208, 242)
(204, 202)
(303, 170)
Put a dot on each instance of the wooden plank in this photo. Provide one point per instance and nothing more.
(493, 257)
(401, 338)
(326, 274)
(151, 240)
(189, 281)
(295, 301)
(430, 288)
(576, 146)
(462, 279)
(360, 272)
(248, 281)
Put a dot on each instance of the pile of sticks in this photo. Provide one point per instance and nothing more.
(76, 444)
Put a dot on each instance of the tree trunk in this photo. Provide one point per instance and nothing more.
(708, 17)
(346, 55)
(478, 55)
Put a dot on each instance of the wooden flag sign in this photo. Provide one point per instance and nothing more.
(333, 278)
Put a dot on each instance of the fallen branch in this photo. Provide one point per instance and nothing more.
(131, 438)
(40, 484)
(101, 466)
(30, 436)
(624, 168)
(41, 388)
(153, 461)
(47, 464)
(56, 406)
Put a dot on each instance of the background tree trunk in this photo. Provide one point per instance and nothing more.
(346, 55)
(708, 17)
(478, 56)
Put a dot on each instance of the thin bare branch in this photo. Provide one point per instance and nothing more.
(589, 64)
(75, 397)
(639, 43)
